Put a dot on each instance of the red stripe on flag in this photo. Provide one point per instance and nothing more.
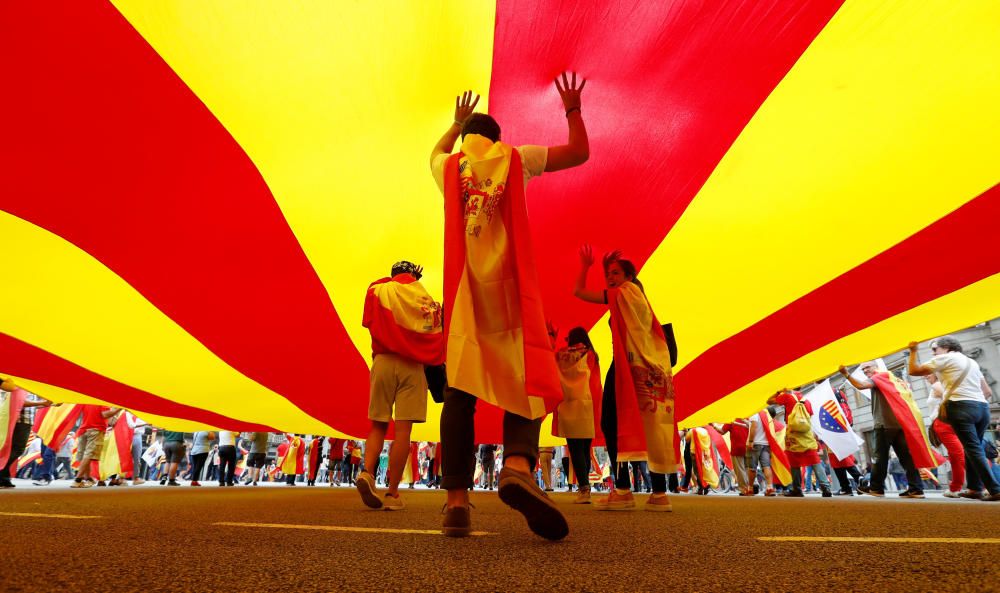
(25, 360)
(115, 154)
(866, 295)
(673, 84)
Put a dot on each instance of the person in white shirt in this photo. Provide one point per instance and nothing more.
(227, 457)
(965, 407)
(758, 454)
(946, 434)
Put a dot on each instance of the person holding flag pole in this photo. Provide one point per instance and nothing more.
(898, 424)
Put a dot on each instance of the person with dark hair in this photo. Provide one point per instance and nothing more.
(496, 340)
(889, 413)
(579, 415)
(965, 406)
(801, 444)
(637, 416)
(406, 330)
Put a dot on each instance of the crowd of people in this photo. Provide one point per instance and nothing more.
(493, 343)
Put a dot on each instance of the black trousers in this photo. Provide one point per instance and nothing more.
(17, 442)
(842, 472)
(893, 437)
(458, 438)
(579, 456)
(197, 464)
(609, 426)
(227, 464)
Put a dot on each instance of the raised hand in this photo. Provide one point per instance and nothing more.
(569, 92)
(464, 106)
(586, 255)
(418, 272)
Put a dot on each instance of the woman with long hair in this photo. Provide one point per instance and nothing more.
(578, 416)
(638, 405)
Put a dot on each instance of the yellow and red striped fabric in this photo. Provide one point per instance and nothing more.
(116, 456)
(196, 192)
(55, 422)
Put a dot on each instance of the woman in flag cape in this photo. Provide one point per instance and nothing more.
(638, 423)
(578, 417)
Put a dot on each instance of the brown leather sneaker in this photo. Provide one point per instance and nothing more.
(519, 491)
(457, 522)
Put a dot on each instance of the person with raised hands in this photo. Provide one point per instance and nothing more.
(637, 411)
(497, 345)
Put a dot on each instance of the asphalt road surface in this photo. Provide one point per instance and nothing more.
(292, 539)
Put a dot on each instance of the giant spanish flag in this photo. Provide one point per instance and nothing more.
(204, 188)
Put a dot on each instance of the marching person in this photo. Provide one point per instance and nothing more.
(965, 406)
(497, 348)
(407, 334)
(637, 414)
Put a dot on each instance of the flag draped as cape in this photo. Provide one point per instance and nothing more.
(403, 319)
(644, 388)
(579, 414)
(911, 421)
(780, 466)
(704, 456)
(292, 461)
(9, 411)
(116, 456)
(497, 344)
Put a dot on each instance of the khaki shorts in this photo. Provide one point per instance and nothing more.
(397, 382)
(89, 444)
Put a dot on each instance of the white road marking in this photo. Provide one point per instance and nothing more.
(51, 516)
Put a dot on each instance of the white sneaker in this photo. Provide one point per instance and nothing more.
(366, 488)
(951, 494)
(392, 503)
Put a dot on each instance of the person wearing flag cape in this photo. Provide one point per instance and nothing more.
(406, 329)
(16, 407)
(899, 424)
(497, 346)
(638, 423)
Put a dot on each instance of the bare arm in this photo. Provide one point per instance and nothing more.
(581, 292)
(915, 368)
(986, 388)
(464, 106)
(111, 412)
(857, 384)
(577, 149)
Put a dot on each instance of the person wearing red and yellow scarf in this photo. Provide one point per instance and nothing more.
(497, 347)
(898, 424)
(801, 445)
(291, 461)
(407, 334)
(579, 415)
(15, 425)
(638, 419)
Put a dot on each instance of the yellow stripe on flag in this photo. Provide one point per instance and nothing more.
(977, 301)
(96, 320)
(339, 105)
(890, 115)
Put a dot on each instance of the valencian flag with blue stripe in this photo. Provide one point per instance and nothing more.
(279, 176)
(830, 424)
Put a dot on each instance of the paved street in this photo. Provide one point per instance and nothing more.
(278, 538)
